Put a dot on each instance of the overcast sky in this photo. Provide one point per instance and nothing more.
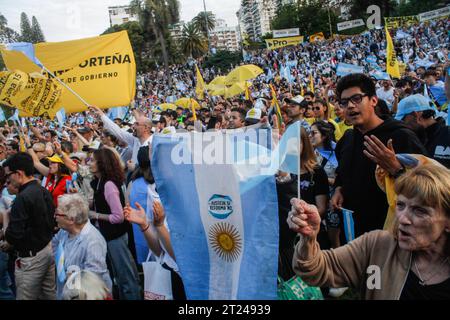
(61, 20)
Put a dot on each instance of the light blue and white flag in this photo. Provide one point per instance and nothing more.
(117, 113)
(380, 75)
(15, 116)
(61, 117)
(285, 72)
(26, 48)
(224, 234)
(344, 69)
(59, 259)
(2, 115)
(349, 226)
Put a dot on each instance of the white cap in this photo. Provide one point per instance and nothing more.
(156, 118)
(94, 145)
(253, 115)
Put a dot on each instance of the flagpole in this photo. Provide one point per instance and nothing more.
(299, 160)
(66, 86)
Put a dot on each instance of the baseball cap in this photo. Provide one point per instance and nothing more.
(414, 103)
(253, 116)
(55, 158)
(295, 100)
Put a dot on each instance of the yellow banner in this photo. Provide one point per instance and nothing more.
(396, 22)
(273, 44)
(102, 70)
(33, 94)
(391, 59)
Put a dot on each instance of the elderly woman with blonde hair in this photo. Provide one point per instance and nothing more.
(79, 245)
(409, 263)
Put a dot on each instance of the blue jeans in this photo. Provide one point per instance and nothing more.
(5, 281)
(124, 270)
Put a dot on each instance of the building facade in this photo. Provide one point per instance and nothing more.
(255, 17)
(224, 37)
(121, 14)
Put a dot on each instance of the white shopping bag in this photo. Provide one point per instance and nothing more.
(157, 280)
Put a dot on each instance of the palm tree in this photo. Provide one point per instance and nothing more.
(155, 17)
(193, 43)
(204, 22)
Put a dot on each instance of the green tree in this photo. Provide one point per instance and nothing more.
(358, 8)
(38, 35)
(204, 22)
(413, 7)
(309, 16)
(136, 36)
(155, 17)
(26, 33)
(193, 43)
(223, 60)
(7, 35)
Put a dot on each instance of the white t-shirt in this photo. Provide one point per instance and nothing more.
(387, 96)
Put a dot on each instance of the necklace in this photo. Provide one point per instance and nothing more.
(423, 282)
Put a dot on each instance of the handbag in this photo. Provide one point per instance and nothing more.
(157, 279)
(296, 289)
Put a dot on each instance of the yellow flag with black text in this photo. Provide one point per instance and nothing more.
(392, 66)
(102, 70)
(201, 87)
(32, 94)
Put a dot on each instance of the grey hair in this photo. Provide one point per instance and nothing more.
(85, 285)
(75, 207)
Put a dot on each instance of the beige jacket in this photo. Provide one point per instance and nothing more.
(357, 265)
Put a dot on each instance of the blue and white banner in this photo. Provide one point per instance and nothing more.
(371, 59)
(224, 233)
(349, 226)
(344, 69)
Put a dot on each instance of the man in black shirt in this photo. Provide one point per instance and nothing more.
(30, 231)
(356, 187)
(416, 112)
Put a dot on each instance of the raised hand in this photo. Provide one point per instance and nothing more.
(158, 214)
(135, 215)
(304, 218)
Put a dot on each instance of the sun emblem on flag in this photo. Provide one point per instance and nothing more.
(226, 241)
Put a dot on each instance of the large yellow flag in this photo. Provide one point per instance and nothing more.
(391, 59)
(201, 87)
(32, 94)
(101, 70)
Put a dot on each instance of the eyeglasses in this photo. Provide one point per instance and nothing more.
(355, 99)
(316, 108)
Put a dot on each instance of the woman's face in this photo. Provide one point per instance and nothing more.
(316, 137)
(420, 226)
(93, 165)
(54, 167)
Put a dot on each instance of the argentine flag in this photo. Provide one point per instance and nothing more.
(26, 48)
(224, 225)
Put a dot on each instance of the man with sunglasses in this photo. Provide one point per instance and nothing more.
(30, 231)
(356, 187)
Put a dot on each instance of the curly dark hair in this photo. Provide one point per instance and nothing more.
(109, 165)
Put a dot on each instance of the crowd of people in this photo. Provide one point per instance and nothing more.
(79, 202)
